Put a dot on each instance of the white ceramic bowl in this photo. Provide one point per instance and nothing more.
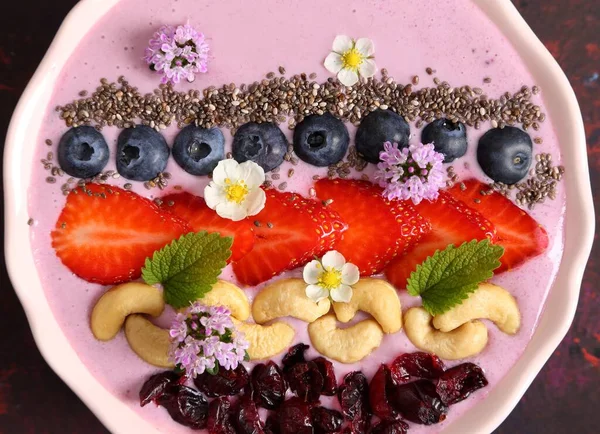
(485, 416)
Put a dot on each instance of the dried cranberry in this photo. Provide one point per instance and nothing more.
(325, 420)
(272, 425)
(390, 427)
(294, 355)
(155, 386)
(185, 406)
(224, 383)
(379, 391)
(353, 396)
(328, 373)
(419, 365)
(457, 383)
(419, 402)
(247, 419)
(219, 417)
(269, 385)
(305, 381)
(294, 417)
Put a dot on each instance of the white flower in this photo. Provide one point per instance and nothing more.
(331, 276)
(350, 59)
(234, 191)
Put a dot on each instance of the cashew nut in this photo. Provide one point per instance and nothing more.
(227, 294)
(266, 341)
(489, 302)
(112, 308)
(465, 341)
(345, 345)
(374, 296)
(287, 297)
(149, 342)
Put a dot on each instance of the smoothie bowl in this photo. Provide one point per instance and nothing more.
(222, 219)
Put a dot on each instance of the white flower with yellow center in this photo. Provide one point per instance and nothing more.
(331, 276)
(234, 191)
(350, 59)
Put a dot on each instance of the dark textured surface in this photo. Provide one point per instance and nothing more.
(563, 399)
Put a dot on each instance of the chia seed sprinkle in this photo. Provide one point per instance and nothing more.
(282, 186)
(275, 176)
(282, 70)
(30, 222)
(487, 80)
(269, 225)
(51, 180)
(128, 186)
(257, 223)
(290, 173)
(48, 142)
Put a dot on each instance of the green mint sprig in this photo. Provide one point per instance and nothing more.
(188, 267)
(447, 278)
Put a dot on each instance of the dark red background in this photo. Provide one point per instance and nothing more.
(565, 396)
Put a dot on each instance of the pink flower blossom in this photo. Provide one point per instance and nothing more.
(414, 173)
(177, 53)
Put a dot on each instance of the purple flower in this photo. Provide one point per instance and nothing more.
(204, 338)
(414, 172)
(177, 53)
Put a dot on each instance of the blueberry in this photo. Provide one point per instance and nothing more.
(321, 140)
(82, 152)
(505, 154)
(447, 137)
(198, 150)
(377, 128)
(265, 144)
(142, 153)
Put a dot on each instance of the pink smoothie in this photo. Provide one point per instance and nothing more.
(248, 40)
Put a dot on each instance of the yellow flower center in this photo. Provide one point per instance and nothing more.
(236, 192)
(352, 59)
(330, 278)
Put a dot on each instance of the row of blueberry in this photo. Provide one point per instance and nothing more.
(320, 140)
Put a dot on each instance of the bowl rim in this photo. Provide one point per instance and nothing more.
(554, 321)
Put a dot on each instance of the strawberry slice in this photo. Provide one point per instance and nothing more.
(200, 217)
(452, 222)
(378, 230)
(520, 235)
(289, 232)
(104, 234)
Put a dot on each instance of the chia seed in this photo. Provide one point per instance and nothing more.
(30, 222)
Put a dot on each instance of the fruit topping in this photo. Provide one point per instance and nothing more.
(419, 402)
(505, 154)
(199, 150)
(380, 390)
(289, 232)
(185, 405)
(448, 138)
(265, 144)
(346, 345)
(294, 356)
(390, 427)
(142, 153)
(353, 396)
(272, 425)
(246, 417)
(452, 222)
(104, 234)
(219, 417)
(326, 421)
(226, 382)
(378, 127)
(419, 365)
(156, 385)
(294, 417)
(82, 152)
(287, 297)
(329, 381)
(268, 385)
(321, 140)
(459, 382)
(305, 381)
(367, 213)
(194, 211)
(520, 235)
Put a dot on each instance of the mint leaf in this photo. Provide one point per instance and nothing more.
(447, 278)
(188, 267)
